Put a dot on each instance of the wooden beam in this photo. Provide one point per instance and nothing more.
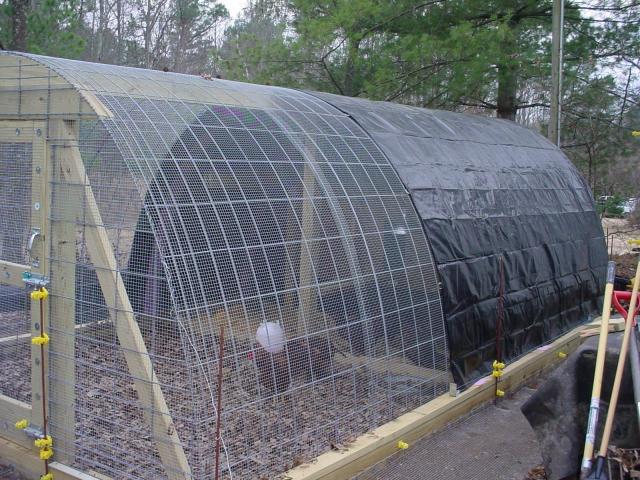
(132, 344)
(62, 300)
(29, 89)
(11, 274)
(38, 259)
(11, 411)
(373, 447)
(393, 366)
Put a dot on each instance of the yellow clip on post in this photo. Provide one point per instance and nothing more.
(40, 340)
(497, 369)
(41, 294)
(403, 445)
(46, 442)
(22, 424)
(499, 393)
(562, 355)
(46, 453)
(48, 476)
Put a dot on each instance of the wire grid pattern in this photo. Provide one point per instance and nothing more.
(231, 205)
(15, 211)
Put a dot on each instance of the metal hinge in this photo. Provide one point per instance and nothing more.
(33, 432)
(35, 279)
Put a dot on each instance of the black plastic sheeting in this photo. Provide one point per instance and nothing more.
(485, 189)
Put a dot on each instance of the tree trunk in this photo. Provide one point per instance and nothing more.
(119, 32)
(19, 25)
(507, 91)
(508, 75)
(350, 69)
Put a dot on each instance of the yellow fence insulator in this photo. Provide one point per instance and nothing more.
(41, 339)
(41, 294)
(22, 424)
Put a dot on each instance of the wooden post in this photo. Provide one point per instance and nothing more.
(38, 259)
(67, 198)
(132, 344)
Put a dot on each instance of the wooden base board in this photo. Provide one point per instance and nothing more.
(27, 462)
(382, 442)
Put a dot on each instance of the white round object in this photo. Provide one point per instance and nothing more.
(270, 336)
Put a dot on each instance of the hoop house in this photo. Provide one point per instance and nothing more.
(170, 216)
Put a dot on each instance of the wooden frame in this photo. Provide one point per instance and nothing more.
(49, 105)
(28, 132)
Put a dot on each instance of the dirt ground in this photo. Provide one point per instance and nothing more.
(626, 264)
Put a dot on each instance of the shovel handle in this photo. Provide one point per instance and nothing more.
(606, 435)
(594, 407)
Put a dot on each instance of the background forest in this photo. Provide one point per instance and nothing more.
(489, 57)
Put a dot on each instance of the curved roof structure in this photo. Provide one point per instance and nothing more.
(337, 228)
(491, 191)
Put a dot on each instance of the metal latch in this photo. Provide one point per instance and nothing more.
(35, 233)
(35, 279)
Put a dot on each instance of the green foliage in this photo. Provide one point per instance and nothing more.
(610, 206)
(53, 28)
(487, 56)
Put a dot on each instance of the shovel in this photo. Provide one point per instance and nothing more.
(594, 408)
(598, 472)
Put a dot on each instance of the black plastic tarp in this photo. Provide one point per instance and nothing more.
(486, 189)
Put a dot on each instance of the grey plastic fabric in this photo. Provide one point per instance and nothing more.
(485, 189)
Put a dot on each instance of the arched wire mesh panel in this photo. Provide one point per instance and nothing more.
(258, 209)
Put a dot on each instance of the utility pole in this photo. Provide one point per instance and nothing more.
(556, 70)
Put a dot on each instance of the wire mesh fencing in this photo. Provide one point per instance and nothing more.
(261, 211)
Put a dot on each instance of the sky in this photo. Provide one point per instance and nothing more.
(234, 6)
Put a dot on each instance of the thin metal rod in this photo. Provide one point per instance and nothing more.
(219, 400)
(43, 395)
(499, 320)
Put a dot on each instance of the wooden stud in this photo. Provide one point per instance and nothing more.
(38, 257)
(306, 299)
(66, 201)
(11, 273)
(132, 344)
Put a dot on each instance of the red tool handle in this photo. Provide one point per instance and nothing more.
(622, 295)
